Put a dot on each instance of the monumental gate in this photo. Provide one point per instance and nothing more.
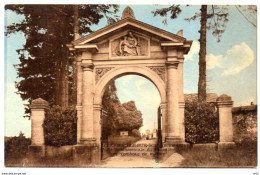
(126, 47)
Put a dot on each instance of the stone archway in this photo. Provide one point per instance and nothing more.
(130, 47)
(113, 74)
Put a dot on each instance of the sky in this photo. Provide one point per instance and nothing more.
(231, 66)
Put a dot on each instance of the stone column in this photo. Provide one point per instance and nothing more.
(87, 104)
(172, 103)
(224, 104)
(163, 107)
(97, 122)
(182, 121)
(38, 107)
(181, 97)
(79, 100)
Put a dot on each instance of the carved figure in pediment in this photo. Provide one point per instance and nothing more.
(129, 46)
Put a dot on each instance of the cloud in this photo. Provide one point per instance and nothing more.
(235, 60)
(213, 61)
(125, 79)
(141, 83)
(195, 47)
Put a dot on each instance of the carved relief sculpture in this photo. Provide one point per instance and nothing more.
(159, 71)
(101, 71)
(129, 45)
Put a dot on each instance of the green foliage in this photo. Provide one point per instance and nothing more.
(129, 117)
(118, 116)
(136, 133)
(45, 69)
(17, 147)
(60, 126)
(201, 122)
(174, 11)
(245, 126)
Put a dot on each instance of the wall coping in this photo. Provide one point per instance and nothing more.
(39, 103)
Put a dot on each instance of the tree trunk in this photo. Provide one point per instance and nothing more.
(58, 84)
(74, 76)
(76, 22)
(202, 56)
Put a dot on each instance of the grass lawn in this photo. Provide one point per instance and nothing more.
(243, 155)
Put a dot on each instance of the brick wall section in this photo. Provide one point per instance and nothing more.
(245, 123)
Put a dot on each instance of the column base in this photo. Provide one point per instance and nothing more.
(178, 147)
(222, 146)
(173, 140)
(84, 154)
(36, 152)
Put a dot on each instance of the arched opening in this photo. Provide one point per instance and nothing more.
(137, 90)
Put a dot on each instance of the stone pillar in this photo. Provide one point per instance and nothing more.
(181, 97)
(97, 122)
(38, 107)
(87, 105)
(224, 104)
(79, 99)
(182, 121)
(163, 107)
(172, 103)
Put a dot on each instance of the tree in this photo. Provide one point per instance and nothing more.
(45, 69)
(214, 19)
(249, 12)
(17, 147)
(129, 117)
(110, 104)
(118, 116)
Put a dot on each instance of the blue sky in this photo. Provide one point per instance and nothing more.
(231, 66)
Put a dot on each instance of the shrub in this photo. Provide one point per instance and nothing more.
(60, 126)
(201, 122)
(136, 133)
(17, 147)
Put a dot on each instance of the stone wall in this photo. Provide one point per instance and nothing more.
(245, 123)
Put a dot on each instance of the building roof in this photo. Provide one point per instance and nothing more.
(211, 97)
(244, 109)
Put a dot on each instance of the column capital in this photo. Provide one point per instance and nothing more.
(181, 60)
(87, 67)
(224, 101)
(172, 64)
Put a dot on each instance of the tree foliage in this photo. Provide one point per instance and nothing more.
(17, 147)
(249, 12)
(213, 18)
(45, 69)
(60, 126)
(117, 116)
(201, 122)
(129, 117)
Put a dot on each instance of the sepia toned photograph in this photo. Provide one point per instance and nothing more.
(133, 86)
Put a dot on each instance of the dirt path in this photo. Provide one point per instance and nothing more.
(133, 157)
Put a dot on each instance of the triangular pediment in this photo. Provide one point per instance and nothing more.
(128, 24)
